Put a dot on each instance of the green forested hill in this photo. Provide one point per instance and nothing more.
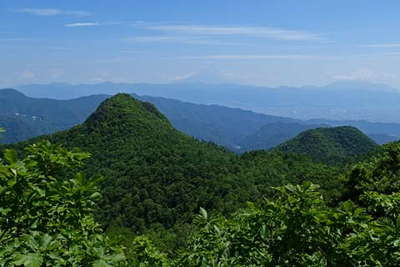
(330, 145)
(156, 175)
(153, 173)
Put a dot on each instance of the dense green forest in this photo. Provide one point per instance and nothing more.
(164, 176)
(126, 189)
(336, 145)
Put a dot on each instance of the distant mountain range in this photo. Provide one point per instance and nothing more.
(239, 130)
(345, 100)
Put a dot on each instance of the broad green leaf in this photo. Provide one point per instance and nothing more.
(203, 213)
(101, 263)
(29, 260)
(11, 156)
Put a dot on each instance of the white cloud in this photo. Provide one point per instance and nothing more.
(264, 32)
(60, 48)
(255, 57)
(90, 24)
(178, 39)
(184, 76)
(53, 12)
(82, 24)
(151, 39)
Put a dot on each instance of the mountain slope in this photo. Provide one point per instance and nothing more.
(22, 128)
(44, 115)
(63, 112)
(154, 174)
(330, 145)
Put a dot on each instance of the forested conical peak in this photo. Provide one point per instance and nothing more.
(330, 145)
(124, 106)
(342, 134)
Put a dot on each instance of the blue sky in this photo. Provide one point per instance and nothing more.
(261, 42)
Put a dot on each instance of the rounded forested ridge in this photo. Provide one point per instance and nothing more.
(336, 145)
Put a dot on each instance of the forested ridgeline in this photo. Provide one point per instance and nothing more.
(170, 200)
(237, 129)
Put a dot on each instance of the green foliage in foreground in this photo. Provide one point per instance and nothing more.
(380, 173)
(46, 219)
(46, 214)
(297, 228)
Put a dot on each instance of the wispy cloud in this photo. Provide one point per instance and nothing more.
(388, 45)
(255, 57)
(81, 24)
(53, 12)
(263, 32)
(60, 48)
(91, 24)
(146, 39)
(178, 39)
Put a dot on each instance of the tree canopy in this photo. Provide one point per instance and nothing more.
(335, 146)
(166, 199)
(46, 212)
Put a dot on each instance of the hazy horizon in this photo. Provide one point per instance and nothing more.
(190, 82)
(265, 43)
